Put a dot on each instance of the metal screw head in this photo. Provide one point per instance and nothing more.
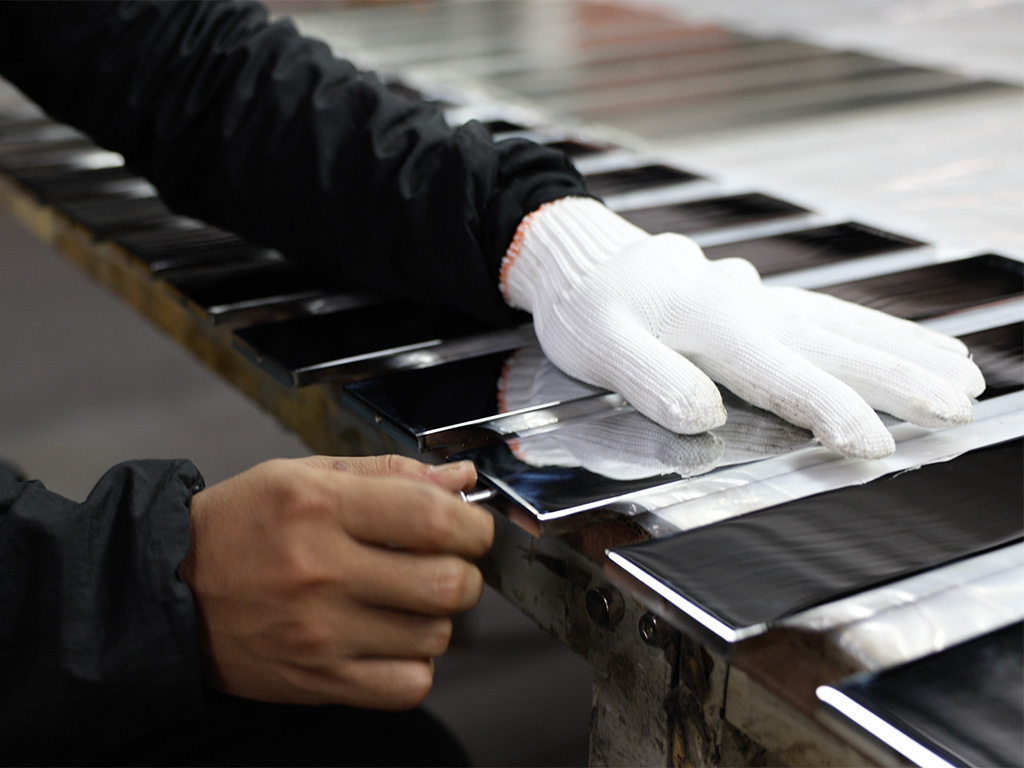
(605, 606)
(653, 630)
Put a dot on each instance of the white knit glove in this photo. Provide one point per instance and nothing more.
(652, 318)
(626, 445)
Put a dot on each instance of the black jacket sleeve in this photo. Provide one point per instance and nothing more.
(248, 125)
(98, 637)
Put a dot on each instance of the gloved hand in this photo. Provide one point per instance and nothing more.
(652, 318)
(621, 445)
(625, 445)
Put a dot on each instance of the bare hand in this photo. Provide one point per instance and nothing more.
(331, 580)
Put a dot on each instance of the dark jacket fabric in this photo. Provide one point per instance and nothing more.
(243, 123)
(98, 635)
(248, 125)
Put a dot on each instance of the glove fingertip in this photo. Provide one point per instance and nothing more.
(691, 416)
(873, 442)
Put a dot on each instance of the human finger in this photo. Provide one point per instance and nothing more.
(766, 373)
(367, 683)
(456, 476)
(406, 514)
(432, 585)
(385, 632)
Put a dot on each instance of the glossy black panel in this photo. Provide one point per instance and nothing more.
(760, 567)
(556, 489)
(433, 398)
(305, 342)
(172, 248)
(712, 213)
(937, 289)
(632, 179)
(73, 185)
(106, 217)
(965, 704)
(13, 153)
(250, 283)
(575, 148)
(808, 248)
(999, 352)
(503, 126)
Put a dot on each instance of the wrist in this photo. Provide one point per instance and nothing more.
(558, 245)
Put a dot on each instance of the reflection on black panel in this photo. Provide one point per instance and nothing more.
(503, 126)
(104, 217)
(14, 153)
(575, 148)
(73, 185)
(999, 353)
(178, 248)
(633, 179)
(551, 490)
(760, 567)
(712, 213)
(249, 284)
(308, 341)
(965, 704)
(811, 247)
(432, 398)
(937, 289)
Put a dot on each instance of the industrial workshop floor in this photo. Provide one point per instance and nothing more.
(86, 383)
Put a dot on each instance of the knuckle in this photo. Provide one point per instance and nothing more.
(439, 637)
(308, 639)
(451, 584)
(393, 464)
(436, 518)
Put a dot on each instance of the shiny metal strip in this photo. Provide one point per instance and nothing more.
(733, 491)
(885, 732)
(285, 306)
(924, 614)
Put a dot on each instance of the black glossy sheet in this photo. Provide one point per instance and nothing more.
(624, 180)
(965, 704)
(760, 567)
(503, 126)
(299, 343)
(163, 249)
(937, 289)
(554, 490)
(106, 217)
(250, 283)
(712, 213)
(817, 247)
(575, 148)
(73, 185)
(999, 353)
(432, 398)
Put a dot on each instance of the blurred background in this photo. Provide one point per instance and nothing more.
(85, 383)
